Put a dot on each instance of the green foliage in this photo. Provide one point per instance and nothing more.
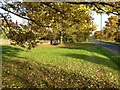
(97, 35)
(2, 35)
(70, 20)
(64, 19)
(117, 39)
(23, 38)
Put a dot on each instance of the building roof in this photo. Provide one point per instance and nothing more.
(12, 24)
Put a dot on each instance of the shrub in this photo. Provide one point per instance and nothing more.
(117, 39)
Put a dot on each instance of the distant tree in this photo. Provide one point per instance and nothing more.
(111, 28)
(97, 34)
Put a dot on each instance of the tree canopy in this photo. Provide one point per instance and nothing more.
(71, 20)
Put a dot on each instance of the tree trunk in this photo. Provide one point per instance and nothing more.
(51, 42)
(118, 23)
(61, 39)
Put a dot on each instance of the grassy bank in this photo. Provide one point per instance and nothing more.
(80, 65)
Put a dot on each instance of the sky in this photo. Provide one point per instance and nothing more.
(100, 18)
(97, 19)
(14, 17)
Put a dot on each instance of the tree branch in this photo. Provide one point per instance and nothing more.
(5, 32)
(7, 24)
(103, 3)
(23, 17)
(94, 4)
(105, 11)
(48, 4)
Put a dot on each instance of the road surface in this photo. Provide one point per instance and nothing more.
(112, 47)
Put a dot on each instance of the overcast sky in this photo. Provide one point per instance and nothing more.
(98, 19)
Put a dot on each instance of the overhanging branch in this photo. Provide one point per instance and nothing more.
(105, 11)
(101, 3)
(48, 4)
(23, 17)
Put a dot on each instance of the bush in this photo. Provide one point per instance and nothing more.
(117, 39)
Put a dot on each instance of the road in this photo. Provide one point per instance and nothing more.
(112, 47)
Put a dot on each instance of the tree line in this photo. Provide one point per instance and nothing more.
(110, 32)
(66, 21)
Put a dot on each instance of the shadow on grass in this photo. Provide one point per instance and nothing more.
(33, 75)
(9, 52)
(94, 59)
(90, 47)
(29, 74)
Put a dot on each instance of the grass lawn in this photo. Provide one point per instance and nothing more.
(80, 65)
